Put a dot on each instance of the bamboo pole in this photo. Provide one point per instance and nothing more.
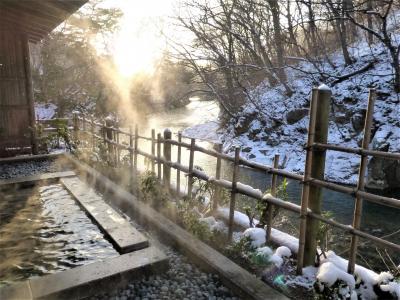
(92, 128)
(270, 207)
(361, 179)
(306, 187)
(131, 158)
(317, 163)
(135, 158)
(233, 193)
(153, 149)
(75, 125)
(117, 149)
(159, 156)
(167, 157)
(191, 162)
(179, 160)
(217, 189)
(359, 151)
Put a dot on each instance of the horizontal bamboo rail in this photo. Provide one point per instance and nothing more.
(359, 151)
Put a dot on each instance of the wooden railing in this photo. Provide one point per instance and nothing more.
(312, 180)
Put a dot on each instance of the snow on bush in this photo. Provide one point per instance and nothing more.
(213, 224)
(279, 255)
(328, 274)
(333, 279)
(257, 236)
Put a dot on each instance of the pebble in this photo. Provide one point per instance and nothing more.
(28, 168)
(182, 281)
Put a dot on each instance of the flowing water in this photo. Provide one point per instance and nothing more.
(377, 219)
(43, 230)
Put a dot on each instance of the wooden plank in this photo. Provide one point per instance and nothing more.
(124, 236)
(232, 275)
(99, 277)
(33, 178)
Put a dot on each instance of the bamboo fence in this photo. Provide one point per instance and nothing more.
(312, 180)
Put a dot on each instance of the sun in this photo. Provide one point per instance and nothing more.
(139, 43)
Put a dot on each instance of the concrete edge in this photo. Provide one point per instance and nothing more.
(122, 234)
(31, 179)
(235, 277)
(95, 278)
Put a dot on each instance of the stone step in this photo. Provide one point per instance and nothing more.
(122, 234)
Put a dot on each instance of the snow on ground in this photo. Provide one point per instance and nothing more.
(45, 111)
(207, 131)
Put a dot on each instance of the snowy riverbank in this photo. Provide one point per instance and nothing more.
(275, 123)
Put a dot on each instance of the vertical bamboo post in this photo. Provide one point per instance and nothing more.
(314, 168)
(270, 207)
(179, 160)
(153, 149)
(109, 138)
(361, 179)
(84, 136)
(217, 188)
(159, 156)
(83, 123)
(92, 131)
(131, 150)
(233, 193)
(135, 159)
(167, 157)
(117, 148)
(191, 165)
(75, 125)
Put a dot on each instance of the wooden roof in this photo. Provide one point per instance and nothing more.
(36, 18)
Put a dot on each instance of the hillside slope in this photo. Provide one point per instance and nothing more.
(275, 123)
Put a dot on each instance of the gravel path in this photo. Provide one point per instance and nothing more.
(28, 168)
(182, 281)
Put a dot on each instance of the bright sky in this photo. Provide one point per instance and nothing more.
(140, 42)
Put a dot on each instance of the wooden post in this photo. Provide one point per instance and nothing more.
(109, 137)
(131, 158)
(92, 130)
(135, 163)
(153, 149)
(233, 193)
(75, 125)
(314, 168)
(217, 189)
(117, 148)
(179, 160)
(270, 207)
(191, 165)
(84, 135)
(29, 91)
(361, 179)
(167, 157)
(159, 156)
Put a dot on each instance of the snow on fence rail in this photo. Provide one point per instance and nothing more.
(312, 180)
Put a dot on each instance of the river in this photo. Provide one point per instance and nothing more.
(377, 219)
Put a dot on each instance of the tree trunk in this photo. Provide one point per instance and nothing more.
(369, 22)
(274, 6)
